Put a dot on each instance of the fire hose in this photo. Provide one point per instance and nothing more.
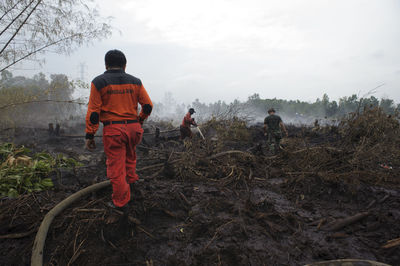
(38, 245)
(201, 134)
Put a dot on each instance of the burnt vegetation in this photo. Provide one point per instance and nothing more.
(331, 193)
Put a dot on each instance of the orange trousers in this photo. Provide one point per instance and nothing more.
(120, 142)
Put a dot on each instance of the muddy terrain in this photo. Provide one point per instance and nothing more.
(331, 193)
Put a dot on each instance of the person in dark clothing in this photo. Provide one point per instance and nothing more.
(273, 127)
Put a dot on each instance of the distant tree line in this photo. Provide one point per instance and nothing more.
(25, 100)
(323, 107)
(50, 99)
(255, 108)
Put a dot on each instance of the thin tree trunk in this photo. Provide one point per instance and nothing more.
(38, 50)
(22, 12)
(7, 11)
(20, 26)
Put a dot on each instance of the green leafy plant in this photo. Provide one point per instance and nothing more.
(21, 173)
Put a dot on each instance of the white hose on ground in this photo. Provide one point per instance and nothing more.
(201, 134)
(40, 239)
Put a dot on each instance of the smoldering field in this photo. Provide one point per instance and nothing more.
(332, 193)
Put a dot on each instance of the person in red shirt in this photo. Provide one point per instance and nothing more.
(114, 99)
(186, 123)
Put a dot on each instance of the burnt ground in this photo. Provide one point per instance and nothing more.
(203, 207)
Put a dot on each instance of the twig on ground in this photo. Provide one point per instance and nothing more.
(158, 165)
(230, 152)
(18, 235)
(77, 253)
(216, 233)
(392, 243)
(89, 210)
(371, 203)
(134, 220)
(144, 231)
(321, 223)
(184, 198)
(155, 174)
(337, 225)
(384, 198)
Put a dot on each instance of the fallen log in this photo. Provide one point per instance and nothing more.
(339, 224)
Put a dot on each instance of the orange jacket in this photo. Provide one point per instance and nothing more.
(188, 120)
(114, 96)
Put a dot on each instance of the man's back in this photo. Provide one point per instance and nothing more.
(187, 120)
(120, 93)
(272, 122)
(114, 98)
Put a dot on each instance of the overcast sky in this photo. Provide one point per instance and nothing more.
(220, 49)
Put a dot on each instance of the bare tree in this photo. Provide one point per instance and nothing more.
(31, 27)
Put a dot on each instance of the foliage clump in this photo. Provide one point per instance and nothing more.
(234, 129)
(21, 173)
(373, 139)
(369, 127)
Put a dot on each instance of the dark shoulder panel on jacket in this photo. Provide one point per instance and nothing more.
(99, 82)
(106, 79)
(134, 80)
(120, 78)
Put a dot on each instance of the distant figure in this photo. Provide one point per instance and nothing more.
(273, 127)
(114, 99)
(316, 126)
(57, 130)
(157, 133)
(51, 129)
(186, 123)
(316, 123)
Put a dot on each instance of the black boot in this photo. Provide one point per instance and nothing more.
(123, 223)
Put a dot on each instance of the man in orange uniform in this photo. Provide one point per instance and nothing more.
(114, 98)
(186, 123)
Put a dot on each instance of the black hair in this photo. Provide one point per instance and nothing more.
(115, 58)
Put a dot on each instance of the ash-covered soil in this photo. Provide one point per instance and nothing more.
(199, 204)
